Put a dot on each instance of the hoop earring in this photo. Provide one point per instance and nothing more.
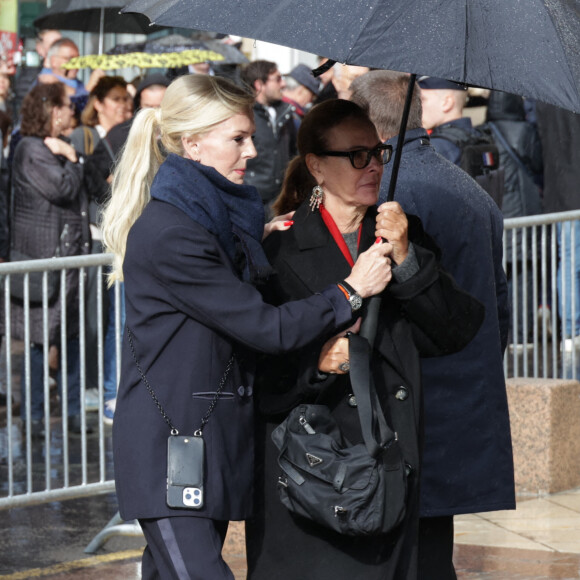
(316, 198)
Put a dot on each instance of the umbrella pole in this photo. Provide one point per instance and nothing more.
(401, 138)
(369, 325)
(101, 30)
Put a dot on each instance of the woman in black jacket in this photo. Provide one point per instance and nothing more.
(422, 314)
(187, 235)
(49, 217)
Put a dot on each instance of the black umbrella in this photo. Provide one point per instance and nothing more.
(529, 47)
(93, 16)
(179, 43)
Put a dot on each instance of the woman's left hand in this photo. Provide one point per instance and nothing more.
(59, 147)
(333, 357)
(392, 225)
(281, 222)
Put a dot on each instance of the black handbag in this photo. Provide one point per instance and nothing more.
(356, 490)
(35, 278)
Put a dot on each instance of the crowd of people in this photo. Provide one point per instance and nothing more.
(248, 222)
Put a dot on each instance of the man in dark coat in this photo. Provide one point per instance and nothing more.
(467, 432)
(520, 153)
(560, 136)
(275, 136)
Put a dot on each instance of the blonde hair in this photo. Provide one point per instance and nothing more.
(192, 106)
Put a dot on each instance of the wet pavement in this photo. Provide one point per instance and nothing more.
(539, 541)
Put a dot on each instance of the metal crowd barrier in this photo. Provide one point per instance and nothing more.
(60, 466)
(57, 465)
(540, 345)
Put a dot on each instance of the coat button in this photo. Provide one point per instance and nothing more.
(402, 394)
(241, 391)
(351, 399)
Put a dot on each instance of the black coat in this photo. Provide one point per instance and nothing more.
(189, 312)
(50, 214)
(467, 430)
(522, 195)
(426, 314)
(560, 134)
(276, 145)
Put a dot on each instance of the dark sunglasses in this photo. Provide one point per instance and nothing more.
(360, 158)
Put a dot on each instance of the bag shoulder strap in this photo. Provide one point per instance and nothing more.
(368, 404)
(500, 137)
(204, 421)
(108, 148)
(89, 140)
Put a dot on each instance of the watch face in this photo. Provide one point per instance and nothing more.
(355, 301)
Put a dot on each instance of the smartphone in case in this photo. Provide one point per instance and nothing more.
(185, 468)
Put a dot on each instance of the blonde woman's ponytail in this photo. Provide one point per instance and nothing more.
(130, 192)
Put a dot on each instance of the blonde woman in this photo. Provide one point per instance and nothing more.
(186, 234)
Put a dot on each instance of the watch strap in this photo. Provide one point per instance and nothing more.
(348, 288)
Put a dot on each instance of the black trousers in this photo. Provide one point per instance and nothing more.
(436, 549)
(184, 548)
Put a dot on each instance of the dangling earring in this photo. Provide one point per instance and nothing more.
(316, 198)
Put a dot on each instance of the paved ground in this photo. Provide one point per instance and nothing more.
(540, 541)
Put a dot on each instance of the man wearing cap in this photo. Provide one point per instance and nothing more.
(275, 136)
(443, 102)
(301, 90)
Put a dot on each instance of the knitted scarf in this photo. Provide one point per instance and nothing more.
(225, 209)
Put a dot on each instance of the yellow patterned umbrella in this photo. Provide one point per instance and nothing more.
(143, 60)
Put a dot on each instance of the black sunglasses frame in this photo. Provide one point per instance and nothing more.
(374, 152)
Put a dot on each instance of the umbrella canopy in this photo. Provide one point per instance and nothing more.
(528, 48)
(93, 16)
(173, 43)
(143, 60)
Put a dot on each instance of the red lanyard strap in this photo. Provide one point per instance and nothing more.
(337, 236)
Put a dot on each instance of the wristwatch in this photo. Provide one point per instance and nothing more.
(351, 295)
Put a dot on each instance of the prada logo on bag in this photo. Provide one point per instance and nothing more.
(313, 460)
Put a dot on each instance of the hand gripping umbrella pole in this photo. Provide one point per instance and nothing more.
(369, 324)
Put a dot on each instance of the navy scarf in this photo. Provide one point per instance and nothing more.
(227, 210)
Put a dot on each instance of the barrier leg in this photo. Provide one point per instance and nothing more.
(115, 527)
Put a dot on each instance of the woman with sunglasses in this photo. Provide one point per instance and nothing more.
(333, 185)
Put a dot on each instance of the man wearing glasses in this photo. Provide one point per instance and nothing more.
(275, 137)
(59, 53)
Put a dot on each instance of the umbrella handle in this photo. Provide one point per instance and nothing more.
(401, 138)
(369, 325)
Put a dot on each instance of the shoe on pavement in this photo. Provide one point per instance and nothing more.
(109, 411)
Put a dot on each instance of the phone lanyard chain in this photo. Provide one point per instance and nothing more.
(205, 419)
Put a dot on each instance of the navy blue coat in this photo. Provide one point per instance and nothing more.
(467, 463)
(189, 312)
